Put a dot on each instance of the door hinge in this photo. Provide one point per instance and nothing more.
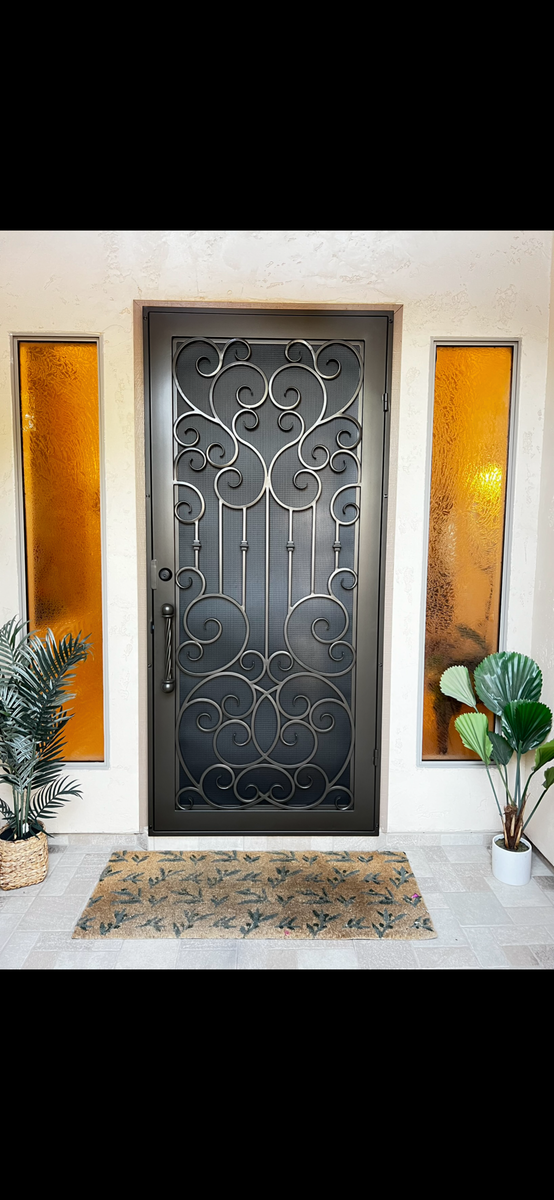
(375, 756)
(154, 573)
(385, 402)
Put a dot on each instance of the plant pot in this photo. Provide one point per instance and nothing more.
(511, 866)
(23, 863)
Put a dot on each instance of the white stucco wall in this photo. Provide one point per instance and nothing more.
(468, 284)
(541, 827)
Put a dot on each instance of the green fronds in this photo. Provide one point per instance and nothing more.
(35, 677)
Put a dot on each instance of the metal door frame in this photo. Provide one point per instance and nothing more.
(253, 310)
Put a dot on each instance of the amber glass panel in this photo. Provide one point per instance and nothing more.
(61, 473)
(466, 528)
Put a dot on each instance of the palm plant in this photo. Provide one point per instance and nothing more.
(509, 684)
(35, 674)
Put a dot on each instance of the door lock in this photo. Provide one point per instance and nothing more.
(165, 574)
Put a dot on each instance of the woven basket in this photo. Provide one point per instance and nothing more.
(24, 862)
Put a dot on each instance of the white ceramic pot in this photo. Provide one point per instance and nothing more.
(511, 866)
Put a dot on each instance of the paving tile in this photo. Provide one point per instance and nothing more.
(55, 940)
(80, 887)
(427, 839)
(465, 839)
(521, 956)
(397, 841)
(401, 841)
(473, 868)
(326, 958)
(253, 956)
(52, 912)
(436, 855)
(476, 908)
(540, 866)
(523, 935)
(471, 880)
(289, 843)
(68, 960)
(364, 844)
(93, 862)
(59, 940)
(148, 955)
(16, 949)
(117, 841)
(169, 843)
(446, 879)
(17, 901)
(419, 862)
(219, 843)
(72, 856)
(448, 928)
(484, 945)
(545, 882)
(538, 916)
(40, 961)
(545, 955)
(8, 925)
(58, 882)
(527, 895)
(207, 960)
(437, 899)
(467, 854)
(186, 945)
(453, 958)
(385, 956)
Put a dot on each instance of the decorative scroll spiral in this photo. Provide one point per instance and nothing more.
(266, 718)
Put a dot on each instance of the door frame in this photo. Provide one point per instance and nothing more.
(141, 311)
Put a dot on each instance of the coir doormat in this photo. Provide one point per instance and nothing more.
(271, 894)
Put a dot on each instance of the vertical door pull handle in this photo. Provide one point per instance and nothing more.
(168, 613)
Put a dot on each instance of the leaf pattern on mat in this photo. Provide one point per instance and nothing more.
(233, 894)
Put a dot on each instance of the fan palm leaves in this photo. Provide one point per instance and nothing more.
(35, 677)
(509, 684)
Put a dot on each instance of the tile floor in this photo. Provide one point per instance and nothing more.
(481, 924)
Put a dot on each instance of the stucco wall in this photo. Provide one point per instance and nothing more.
(541, 828)
(471, 284)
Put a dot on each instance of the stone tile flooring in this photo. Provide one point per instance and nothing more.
(481, 924)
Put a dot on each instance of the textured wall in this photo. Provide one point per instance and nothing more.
(479, 284)
(541, 828)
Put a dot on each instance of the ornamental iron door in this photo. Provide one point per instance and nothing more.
(267, 480)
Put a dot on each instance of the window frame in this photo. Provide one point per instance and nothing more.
(97, 339)
(436, 343)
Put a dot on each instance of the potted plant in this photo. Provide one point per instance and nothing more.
(34, 676)
(509, 684)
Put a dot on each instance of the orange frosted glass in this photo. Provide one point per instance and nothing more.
(61, 479)
(466, 528)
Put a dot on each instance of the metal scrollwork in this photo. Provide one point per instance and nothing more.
(267, 472)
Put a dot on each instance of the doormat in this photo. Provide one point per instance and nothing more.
(271, 894)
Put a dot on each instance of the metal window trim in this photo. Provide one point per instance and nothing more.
(97, 339)
(435, 343)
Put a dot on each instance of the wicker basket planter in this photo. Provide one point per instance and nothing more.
(24, 862)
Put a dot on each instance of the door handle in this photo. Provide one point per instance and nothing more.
(168, 613)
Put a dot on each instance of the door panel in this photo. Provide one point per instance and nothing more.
(268, 449)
